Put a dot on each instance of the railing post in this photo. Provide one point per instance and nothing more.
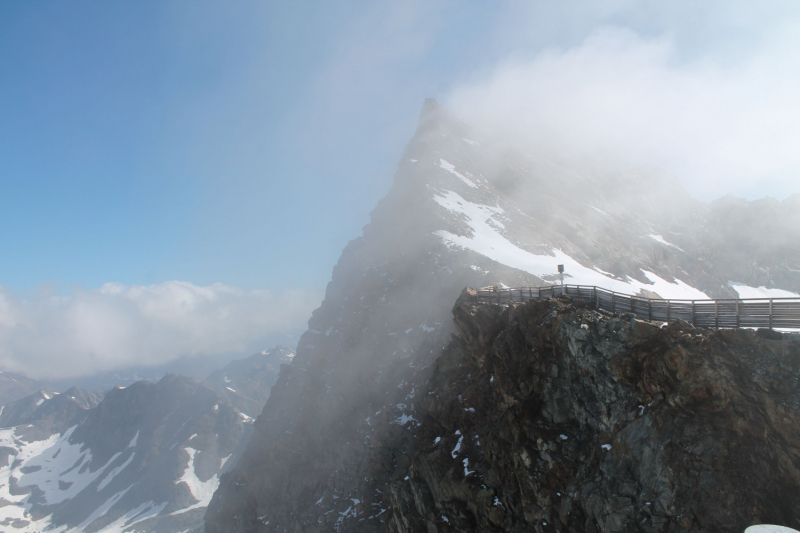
(669, 311)
(613, 301)
(716, 314)
(649, 309)
(738, 321)
(770, 313)
(693, 319)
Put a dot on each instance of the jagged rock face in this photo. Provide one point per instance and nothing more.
(384, 319)
(550, 416)
(50, 411)
(145, 458)
(464, 210)
(247, 382)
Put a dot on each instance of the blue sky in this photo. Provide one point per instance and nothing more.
(213, 142)
(244, 143)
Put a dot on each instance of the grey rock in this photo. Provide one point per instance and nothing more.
(331, 449)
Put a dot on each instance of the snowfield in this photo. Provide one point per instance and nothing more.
(745, 291)
(486, 240)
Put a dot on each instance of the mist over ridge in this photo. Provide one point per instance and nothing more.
(332, 447)
(238, 262)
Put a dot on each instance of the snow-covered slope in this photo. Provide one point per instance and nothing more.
(146, 458)
(465, 209)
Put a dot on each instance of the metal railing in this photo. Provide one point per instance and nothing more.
(772, 313)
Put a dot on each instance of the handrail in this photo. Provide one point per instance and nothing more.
(772, 313)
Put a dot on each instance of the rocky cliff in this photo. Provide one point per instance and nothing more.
(550, 416)
(465, 209)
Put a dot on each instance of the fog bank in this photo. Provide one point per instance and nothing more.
(721, 126)
(50, 336)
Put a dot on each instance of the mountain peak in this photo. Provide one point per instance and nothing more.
(434, 117)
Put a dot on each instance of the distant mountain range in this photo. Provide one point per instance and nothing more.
(141, 458)
(14, 386)
(336, 426)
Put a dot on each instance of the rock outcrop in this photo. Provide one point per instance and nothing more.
(550, 416)
(465, 209)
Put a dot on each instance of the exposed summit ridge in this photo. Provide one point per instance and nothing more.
(465, 209)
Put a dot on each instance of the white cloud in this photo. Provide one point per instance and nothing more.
(115, 326)
(721, 124)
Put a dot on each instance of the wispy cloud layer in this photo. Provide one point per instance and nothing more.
(51, 336)
(722, 124)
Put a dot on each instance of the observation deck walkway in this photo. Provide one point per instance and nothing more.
(772, 313)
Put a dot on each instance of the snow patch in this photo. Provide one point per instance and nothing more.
(202, 491)
(403, 419)
(467, 471)
(223, 461)
(745, 291)
(457, 449)
(134, 516)
(452, 170)
(103, 509)
(486, 241)
(111, 475)
(50, 464)
(659, 238)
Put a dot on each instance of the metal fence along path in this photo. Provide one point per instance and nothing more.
(772, 313)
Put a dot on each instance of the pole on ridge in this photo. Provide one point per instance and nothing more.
(738, 320)
(716, 314)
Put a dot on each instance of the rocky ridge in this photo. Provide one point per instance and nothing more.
(464, 210)
(15, 387)
(246, 383)
(551, 416)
